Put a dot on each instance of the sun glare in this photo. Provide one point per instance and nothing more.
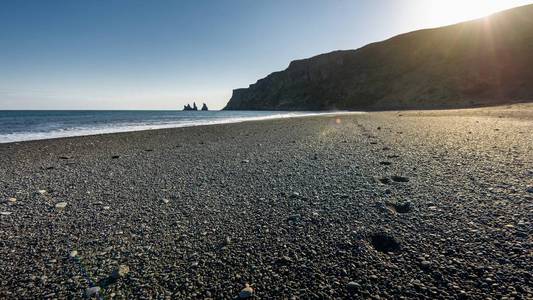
(442, 12)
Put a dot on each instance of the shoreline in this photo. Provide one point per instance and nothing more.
(516, 110)
(136, 128)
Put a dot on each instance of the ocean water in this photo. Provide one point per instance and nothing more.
(35, 125)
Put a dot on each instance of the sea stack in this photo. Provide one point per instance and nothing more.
(204, 107)
(188, 106)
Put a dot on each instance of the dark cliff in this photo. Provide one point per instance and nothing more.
(482, 62)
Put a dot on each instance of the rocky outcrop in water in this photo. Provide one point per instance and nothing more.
(188, 106)
(482, 62)
(204, 107)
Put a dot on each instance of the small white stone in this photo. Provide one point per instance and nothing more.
(12, 200)
(166, 201)
(42, 192)
(120, 272)
(61, 205)
(92, 291)
(73, 253)
(5, 213)
(123, 270)
(107, 207)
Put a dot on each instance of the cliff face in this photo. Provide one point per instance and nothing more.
(481, 62)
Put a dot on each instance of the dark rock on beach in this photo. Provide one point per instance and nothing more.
(384, 242)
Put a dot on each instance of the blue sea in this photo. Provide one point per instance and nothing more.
(27, 125)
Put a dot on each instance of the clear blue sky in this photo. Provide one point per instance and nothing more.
(109, 54)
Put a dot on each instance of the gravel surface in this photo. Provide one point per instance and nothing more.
(420, 204)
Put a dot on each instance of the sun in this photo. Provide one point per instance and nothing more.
(442, 12)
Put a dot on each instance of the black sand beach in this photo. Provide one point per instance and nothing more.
(414, 204)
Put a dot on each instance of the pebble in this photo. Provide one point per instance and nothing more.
(294, 195)
(166, 201)
(425, 264)
(285, 259)
(120, 272)
(61, 205)
(294, 218)
(107, 207)
(246, 292)
(384, 242)
(397, 178)
(530, 189)
(353, 286)
(383, 180)
(42, 192)
(12, 200)
(73, 253)
(403, 207)
(92, 291)
(5, 213)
